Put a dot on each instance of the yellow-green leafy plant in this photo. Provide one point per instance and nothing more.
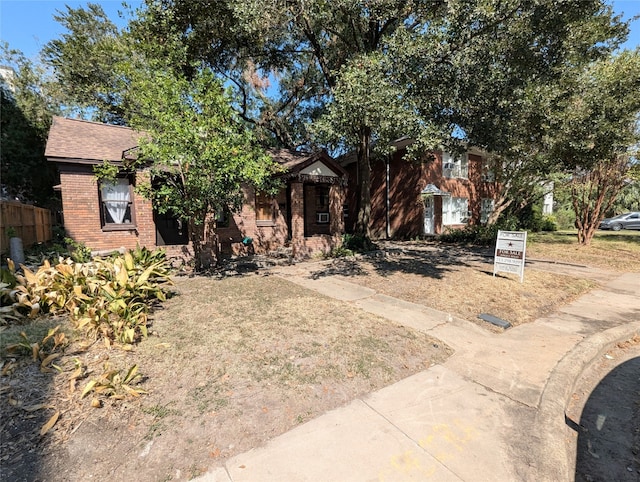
(108, 298)
(46, 351)
(112, 384)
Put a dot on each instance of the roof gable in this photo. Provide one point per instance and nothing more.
(308, 164)
(74, 140)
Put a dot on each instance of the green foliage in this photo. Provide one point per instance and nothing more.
(80, 253)
(26, 108)
(85, 61)
(358, 243)
(36, 254)
(106, 171)
(106, 298)
(627, 200)
(351, 245)
(480, 235)
(549, 223)
(196, 144)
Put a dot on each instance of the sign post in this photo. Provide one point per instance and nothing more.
(510, 251)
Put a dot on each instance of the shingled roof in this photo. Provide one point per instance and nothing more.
(295, 161)
(84, 142)
(72, 140)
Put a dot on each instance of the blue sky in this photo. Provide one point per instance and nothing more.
(28, 24)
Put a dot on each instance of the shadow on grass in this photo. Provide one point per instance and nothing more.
(428, 261)
(618, 237)
(25, 388)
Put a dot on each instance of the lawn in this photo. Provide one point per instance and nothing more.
(616, 251)
(232, 362)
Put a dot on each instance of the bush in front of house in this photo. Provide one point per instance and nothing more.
(352, 244)
(481, 235)
(105, 298)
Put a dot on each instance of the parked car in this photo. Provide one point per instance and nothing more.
(622, 221)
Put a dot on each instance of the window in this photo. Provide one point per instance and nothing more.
(488, 174)
(455, 167)
(486, 208)
(322, 204)
(222, 215)
(264, 209)
(455, 210)
(116, 208)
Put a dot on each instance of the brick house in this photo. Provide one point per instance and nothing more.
(306, 215)
(411, 199)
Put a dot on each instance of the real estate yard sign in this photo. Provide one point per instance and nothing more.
(510, 249)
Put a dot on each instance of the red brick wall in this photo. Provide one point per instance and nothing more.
(81, 208)
(82, 220)
(406, 180)
(267, 237)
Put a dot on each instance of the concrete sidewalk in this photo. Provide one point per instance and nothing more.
(493, 411)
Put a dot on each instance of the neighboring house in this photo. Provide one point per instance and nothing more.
(410, 199)
(306, 215)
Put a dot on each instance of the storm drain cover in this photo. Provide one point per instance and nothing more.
(494, 320)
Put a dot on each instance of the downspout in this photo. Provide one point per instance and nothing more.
(388, 222)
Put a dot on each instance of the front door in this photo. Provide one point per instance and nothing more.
(429, 224)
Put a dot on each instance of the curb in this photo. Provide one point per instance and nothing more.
(556, 456)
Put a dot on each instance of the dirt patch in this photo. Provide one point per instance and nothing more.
(457, 281)
(234, 362)
(231, 364)
(604, 412)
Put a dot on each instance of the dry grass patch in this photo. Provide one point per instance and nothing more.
(230, 364)
(613, 251)
(459, 282)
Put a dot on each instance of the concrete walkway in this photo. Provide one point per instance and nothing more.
(493, 411)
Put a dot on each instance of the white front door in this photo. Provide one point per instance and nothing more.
(429, 227)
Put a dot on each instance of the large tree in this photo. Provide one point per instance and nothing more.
(85, 62)
(353, 75)
(25, 117)
(597, 136)
(511, 116)
(438, 63)
(193, 142)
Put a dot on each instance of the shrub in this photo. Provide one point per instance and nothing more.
(482, 235)
(549, 223)
(352, 244)
(358, 243)
(107, 298)
(79, 252)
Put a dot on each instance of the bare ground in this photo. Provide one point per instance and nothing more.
(460, 281)
(233, 362)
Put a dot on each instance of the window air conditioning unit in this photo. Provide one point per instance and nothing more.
(322, 218)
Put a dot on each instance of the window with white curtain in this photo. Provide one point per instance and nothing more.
(116, 203)
(455, 166)
(455, 210)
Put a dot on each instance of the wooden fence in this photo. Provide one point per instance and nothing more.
(30, 223)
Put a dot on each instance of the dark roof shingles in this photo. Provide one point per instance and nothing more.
(79, 139)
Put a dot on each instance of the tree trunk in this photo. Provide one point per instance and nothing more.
(201, 260)
(593, 193)
(364, 184)
(500, 206)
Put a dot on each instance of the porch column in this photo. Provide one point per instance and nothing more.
(297, 211)
(336, 201)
